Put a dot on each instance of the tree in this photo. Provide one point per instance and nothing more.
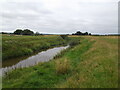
(86, 33)
(89, 33)
(27, 32)
(78, 33)
(18, 32)
(37, 33)
(4, 33)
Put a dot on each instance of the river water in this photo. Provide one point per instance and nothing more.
(43, 56)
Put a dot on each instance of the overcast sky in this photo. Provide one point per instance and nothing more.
(59, 16)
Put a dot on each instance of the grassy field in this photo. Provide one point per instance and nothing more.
(91, 64)
(17, 46)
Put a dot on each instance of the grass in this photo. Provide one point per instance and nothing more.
(17, 46)
(98, 67)
(91, 64)
(62, 66)
(0, 82)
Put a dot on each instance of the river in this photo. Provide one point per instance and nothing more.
(43, 56)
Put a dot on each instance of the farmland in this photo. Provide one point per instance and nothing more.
(91, 64)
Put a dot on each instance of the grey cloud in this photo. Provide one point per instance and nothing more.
(64, 17)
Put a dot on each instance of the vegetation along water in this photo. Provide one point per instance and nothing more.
(92, 63)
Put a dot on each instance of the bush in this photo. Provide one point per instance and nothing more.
(62, 66)
(74, 42)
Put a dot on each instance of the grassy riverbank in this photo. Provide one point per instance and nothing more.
(91, 64)
(17, 46)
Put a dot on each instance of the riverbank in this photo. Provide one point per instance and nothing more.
(15, 47)
(91, 64)
(43, 56)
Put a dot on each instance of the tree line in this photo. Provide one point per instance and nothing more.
(80, 33)
(29, 32)
(23, 32)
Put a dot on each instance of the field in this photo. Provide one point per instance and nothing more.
(91, 64)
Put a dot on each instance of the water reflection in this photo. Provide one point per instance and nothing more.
(33, 60)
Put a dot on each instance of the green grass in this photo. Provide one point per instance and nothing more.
(98, 67)
(91, 64)
(17, 46)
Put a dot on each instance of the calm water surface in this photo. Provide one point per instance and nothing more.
(43, 56)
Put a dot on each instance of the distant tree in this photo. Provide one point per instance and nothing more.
(78, 33)
(18, 32)
(89, 33)
(37, 33)
(4, 32)
(27, 32)
(86, 33)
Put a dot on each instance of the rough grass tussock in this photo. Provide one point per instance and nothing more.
(62, 66)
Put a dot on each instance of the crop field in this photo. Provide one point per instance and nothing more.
(92, 63)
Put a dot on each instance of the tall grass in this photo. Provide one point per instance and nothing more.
(62, 66)
(17, 46)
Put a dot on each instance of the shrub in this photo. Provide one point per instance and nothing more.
(62, 66)
(74, 42)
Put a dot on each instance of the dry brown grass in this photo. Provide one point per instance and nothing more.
(62, 66)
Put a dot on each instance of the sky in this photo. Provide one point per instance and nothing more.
(59, 16)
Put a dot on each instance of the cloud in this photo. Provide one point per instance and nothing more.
(60, 16)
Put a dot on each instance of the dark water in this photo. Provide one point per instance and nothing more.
(43, 56)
